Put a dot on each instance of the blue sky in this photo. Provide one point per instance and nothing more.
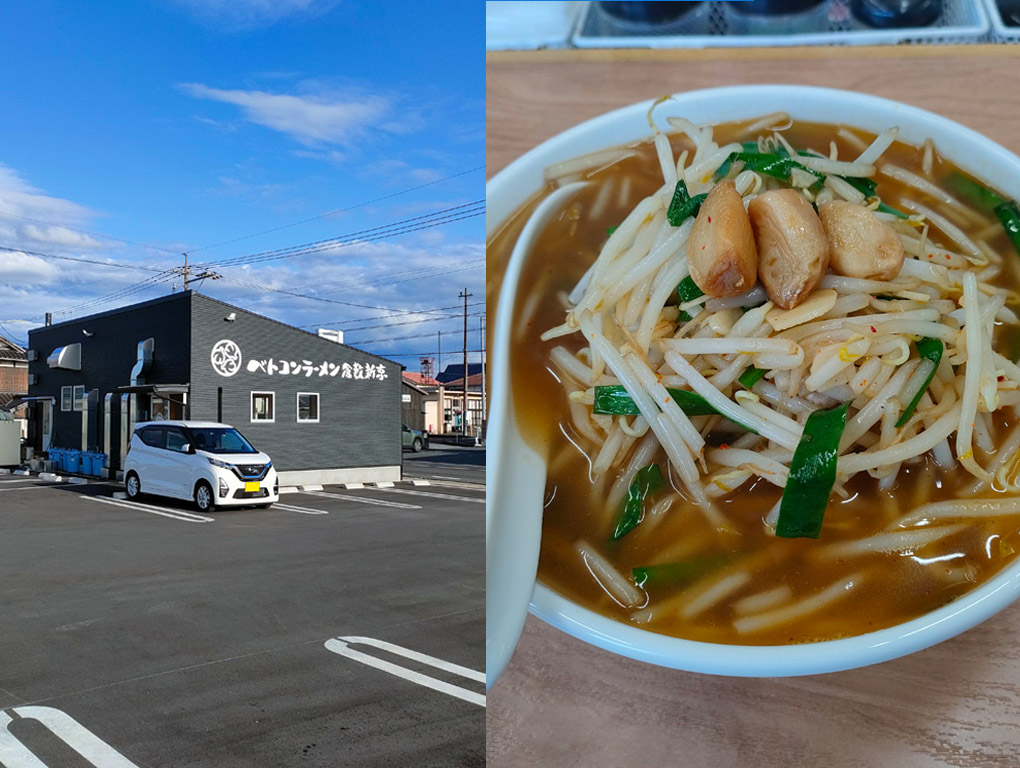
(135, 131)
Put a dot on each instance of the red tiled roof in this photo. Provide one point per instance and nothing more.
(420, 379)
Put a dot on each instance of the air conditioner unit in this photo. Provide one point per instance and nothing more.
(32, 355)
(33, 379)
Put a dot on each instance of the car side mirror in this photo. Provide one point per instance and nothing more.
(188, 448)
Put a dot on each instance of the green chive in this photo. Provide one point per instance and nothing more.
(688, 291)
(683, 206)
(750, 377)
(677, 573)
(865, 186)
(611, 230)
(1009, 217)
(614, 401)
(928, 349)
(647, 480)
(887, 209)
(771, 164)
(812, 475)
(980, 196)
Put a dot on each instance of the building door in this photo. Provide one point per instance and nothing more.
(47, 423)
(165, 408)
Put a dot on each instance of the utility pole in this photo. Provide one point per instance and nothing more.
(481, 336)
(465, 295)
(186, 271)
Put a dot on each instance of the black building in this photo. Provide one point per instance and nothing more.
(323, 411)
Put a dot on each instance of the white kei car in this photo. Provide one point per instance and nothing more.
(205, 462)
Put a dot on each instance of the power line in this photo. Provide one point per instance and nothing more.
(10, 215)
(340, 210)
(408, 338)
(383, 317)
(317, 298)
(388, 277)
(406, 322)
(372, 234)
(78, 259)
(121, 293)
(418, 354)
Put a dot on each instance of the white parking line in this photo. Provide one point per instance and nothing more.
(444, 483)
(341, 645)
(409, 492)
(302, 510)
(174, 514)
(14, 754)
(362, 500)
(30, 487)
(19, 481)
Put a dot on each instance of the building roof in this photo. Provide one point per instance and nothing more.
(6, 398)
(419, 379)
(178, 297)
(455, 372)
(11, 351)
(411, 385)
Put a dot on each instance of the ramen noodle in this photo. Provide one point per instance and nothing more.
(771, 365)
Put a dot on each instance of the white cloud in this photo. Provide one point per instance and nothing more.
(316, 118)
(330, 156)
(30, 218)
(24, 268)
(248, 14)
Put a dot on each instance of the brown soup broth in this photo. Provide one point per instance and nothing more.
(892, 587)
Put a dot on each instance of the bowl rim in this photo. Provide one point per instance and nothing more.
(984, 158)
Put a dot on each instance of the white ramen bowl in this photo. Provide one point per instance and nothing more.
(964, 147)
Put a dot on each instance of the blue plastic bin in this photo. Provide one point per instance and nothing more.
(57, 457)
(72, 461)
(86, 463)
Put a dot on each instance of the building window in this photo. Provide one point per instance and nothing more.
(263, 406)
(308, 407)
(66, 403)
(79, 397)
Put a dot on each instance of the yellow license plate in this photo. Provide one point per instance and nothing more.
(251, 487)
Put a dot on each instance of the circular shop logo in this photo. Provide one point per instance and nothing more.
(226, 357)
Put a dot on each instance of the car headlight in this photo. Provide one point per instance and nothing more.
(220, 464)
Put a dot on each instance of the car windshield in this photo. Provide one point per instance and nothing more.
(220, 440)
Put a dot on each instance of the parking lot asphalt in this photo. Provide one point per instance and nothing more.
(252, 638)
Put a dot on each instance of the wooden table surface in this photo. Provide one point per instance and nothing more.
(564, 703)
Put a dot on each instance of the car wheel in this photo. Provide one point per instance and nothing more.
(417, 445)
(133, 486)
(205, 500)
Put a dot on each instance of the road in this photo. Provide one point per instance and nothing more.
(447, 464)
(250, 637)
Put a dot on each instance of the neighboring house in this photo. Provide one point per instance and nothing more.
(444, 408)
(453, 376)
(13, 374)
(412, 404)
